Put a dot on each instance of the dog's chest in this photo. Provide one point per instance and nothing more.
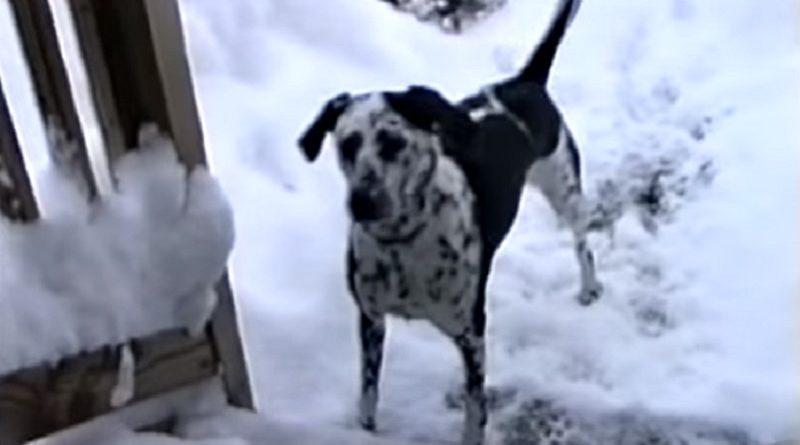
(435, 274)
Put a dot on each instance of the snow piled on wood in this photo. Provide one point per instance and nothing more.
(89, 275)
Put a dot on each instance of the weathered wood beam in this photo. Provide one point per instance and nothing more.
(41, 400)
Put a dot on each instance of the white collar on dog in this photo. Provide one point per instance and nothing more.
(494, 106)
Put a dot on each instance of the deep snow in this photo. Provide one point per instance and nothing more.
(698, 320)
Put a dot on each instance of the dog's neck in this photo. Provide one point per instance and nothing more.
(395, 233)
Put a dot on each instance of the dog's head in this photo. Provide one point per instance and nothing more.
(388, 146)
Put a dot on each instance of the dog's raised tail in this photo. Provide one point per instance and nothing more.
(538, 67)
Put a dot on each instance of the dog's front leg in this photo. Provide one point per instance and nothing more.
(371, 332)
(473, 354)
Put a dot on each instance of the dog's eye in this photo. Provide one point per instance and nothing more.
(389, 145)
(350, 145)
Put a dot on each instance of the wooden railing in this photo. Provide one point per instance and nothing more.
(135, 60)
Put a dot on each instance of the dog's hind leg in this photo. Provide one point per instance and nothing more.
(473, 354)
(371, 333)
(591, 289)
(558, 178)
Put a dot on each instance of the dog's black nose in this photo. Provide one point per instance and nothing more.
(363, 206)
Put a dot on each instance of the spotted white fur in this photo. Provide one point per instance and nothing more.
(432, 277)
(421, 261)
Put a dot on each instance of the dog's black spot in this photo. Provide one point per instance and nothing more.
(418, 200)
(380, 276)
(352, 268)
(468, 240)
(382, 272)
(446, 250)
(389, 145)
(350, 145)
(440, 200)
(574, 157)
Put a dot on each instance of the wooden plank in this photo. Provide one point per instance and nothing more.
(38, 401)
(138, 71)
(16, 195)
(21, 415)
(136, 59)
(170, 51)
(114, 40)
(37, 30)
(228, 343)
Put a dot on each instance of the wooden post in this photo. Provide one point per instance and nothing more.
(17, 203)
(136, 61)
(16, 195)
(226, 335)
(139, 74)
(56, 101)
(39, 400)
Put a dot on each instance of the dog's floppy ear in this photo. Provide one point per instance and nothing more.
(426, 109)
(311, 141)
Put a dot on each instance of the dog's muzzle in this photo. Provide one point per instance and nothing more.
(366, 205)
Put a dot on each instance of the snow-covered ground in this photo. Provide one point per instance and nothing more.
(699, 318)
(685, 114)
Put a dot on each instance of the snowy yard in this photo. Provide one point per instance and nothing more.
(685, 113)
(698, 320)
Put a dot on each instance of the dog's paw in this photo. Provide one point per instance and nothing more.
(473, 438)
(497, 398)
(590, 294)
(367, 424)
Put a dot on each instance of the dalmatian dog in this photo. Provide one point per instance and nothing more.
(434, 187)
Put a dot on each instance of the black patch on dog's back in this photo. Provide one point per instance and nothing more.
(428, 110)
(498, 155)
(532, 105)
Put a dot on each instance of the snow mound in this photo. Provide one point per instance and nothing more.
(141, 261)
(451, 15)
